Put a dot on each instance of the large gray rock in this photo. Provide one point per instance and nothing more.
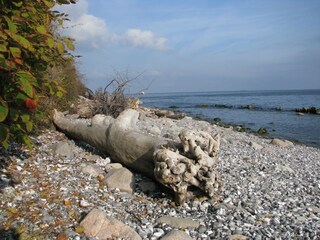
(178, 222)
(176, 235)
(99, 226)
(120, 178)
(63, 149)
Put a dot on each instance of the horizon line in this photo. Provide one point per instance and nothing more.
(252, 90)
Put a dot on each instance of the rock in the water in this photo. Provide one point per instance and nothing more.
(176, 235)
(99, 226)
(63, 149)
(281, 143)
(169, 114)
(120, 178)
(93, 170)
(179, 222)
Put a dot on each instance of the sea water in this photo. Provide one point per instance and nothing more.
(272, 110)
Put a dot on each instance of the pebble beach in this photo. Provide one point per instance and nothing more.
(271, 190)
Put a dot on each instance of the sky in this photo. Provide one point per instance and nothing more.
(198, 45)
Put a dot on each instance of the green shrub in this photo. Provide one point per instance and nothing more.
(28, 46)
(68, 77)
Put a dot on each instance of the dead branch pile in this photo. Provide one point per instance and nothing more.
(111, 100)
(111, 103)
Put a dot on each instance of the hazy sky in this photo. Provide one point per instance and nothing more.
(199, 45)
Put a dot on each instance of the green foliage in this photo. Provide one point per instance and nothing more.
(28, 46)
(69, 87)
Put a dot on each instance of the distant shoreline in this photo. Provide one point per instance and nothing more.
(241, 128)
(235, 91)
(287, 114)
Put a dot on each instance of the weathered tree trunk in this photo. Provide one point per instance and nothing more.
(152, 156)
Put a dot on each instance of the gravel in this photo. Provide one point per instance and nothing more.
(270, 192)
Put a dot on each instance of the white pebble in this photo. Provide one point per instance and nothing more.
(84, 203)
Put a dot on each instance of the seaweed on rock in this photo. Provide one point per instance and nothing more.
(310, 110)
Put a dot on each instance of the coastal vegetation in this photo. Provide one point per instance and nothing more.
(30, 46)
(73, 84)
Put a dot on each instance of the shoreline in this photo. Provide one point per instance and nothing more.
(238, 128)
(241, 128)
(269, 190)
(285, 114)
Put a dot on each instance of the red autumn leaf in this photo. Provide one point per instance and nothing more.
(30, 104)
(62, 236)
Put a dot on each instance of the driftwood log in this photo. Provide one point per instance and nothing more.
(184, 167)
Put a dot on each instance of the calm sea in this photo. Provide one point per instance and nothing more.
(273, 110)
